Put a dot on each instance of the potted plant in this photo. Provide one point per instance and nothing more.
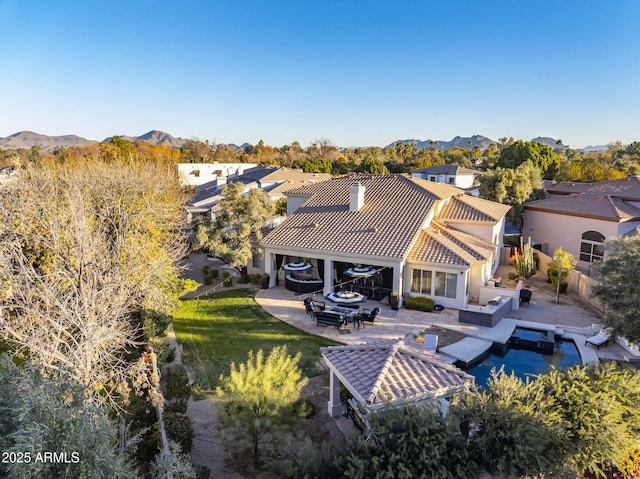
(394, 300)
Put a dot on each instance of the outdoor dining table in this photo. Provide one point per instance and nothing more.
(348, 313)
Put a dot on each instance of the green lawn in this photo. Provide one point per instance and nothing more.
(220, 329)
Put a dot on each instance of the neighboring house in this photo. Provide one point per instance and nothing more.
(274, 180)
(197, 174)
(454, 175)
(424, 238)
(580, 217)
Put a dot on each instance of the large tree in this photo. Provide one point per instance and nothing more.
(511, 186)
(542, 157)
(238, 225)
(85, 246)
(619, 286)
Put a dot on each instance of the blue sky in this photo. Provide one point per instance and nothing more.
(357, 73)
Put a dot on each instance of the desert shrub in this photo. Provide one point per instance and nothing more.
(177, 406)
(177, 382)
(171, 355)
(162, 350)
(205, 269)
(208, 279)
(225, 275)
(255, 278)
(228, 282)
(154, 323)
(303, 408)
(420, 303)
(179, 429)
(215, 273)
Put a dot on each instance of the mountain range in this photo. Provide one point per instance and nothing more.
(29, 139)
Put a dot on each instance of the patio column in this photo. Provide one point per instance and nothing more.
(335, 407)
(397, 280)
(268, 267)
(327, 288)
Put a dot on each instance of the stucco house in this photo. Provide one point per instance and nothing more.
(272, 179)
(424, 238)
(454, 175)
(196, 174)
(580, 217)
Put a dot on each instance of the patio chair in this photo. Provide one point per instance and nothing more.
(312, 306)
(602, 338)
(525, 296)
(368, 316)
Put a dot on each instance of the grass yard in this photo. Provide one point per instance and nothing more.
(220, 329)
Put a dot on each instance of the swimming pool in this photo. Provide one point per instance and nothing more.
(528, 353)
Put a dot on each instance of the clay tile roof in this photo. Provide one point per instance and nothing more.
(588, 205)
(394, 211)
(625, 188)
(446, 170)
(470, 208)
(439, 244)
(395, 370)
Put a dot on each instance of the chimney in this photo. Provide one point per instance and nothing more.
(356, 196)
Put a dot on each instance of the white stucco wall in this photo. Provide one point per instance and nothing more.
(206, 172)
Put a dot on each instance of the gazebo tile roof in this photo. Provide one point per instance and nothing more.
(383, 371)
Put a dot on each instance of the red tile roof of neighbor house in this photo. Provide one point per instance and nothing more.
(607, 200)
(626, 188)
(384, 371)
(395, 210)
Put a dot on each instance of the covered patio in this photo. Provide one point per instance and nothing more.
(382, 373)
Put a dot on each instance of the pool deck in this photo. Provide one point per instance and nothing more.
(569, 319)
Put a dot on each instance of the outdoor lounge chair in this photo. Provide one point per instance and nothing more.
(370, 317)
(602, 338)
(312, 306)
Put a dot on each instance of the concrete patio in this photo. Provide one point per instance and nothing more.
(571, 318)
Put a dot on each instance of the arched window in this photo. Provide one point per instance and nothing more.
(592, 247)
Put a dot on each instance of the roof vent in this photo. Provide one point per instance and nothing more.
(315, 225)
(356, 196)
(374, 229)
(599, 198)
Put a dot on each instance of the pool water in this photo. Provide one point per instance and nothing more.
(526, 362)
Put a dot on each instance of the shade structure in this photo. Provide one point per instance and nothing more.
(302, 266)
(346, 297)
(360, 272)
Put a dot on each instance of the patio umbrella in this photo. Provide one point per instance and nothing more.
(361, 272)
(302, 266)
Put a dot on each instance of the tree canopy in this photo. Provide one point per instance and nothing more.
(541, 156)
(511, 186)
(619, 286)
(86, 245)
(238, 224)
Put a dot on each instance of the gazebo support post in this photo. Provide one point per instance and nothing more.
(334, 404)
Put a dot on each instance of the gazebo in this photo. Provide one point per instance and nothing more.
(390, 373)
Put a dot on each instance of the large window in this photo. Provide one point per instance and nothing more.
(421, 281)
(446, 284)
(592, 247)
